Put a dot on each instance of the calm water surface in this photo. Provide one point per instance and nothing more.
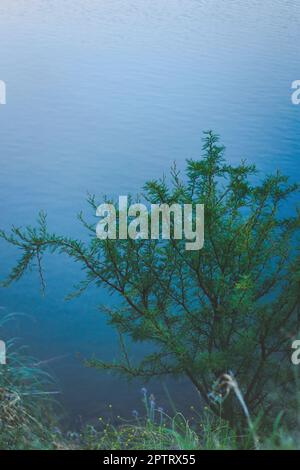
(103, 94)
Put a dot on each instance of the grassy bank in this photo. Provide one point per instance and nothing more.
(28, 420)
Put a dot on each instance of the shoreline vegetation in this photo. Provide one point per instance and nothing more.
(30, 419)
(223, 317)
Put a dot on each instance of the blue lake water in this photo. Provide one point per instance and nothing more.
(104, 94)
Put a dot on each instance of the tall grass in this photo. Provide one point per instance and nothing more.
(28, 418)
(156, 430)
(26, 405)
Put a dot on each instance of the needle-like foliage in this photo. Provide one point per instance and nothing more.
(232, 305)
